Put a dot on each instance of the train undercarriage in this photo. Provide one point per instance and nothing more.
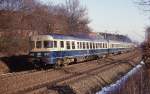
(44, 62)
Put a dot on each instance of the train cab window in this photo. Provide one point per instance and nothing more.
(68, 44)
(32, 43)
(55, 44)
(39, 44)
(87, 45)
(48, 44)
(62, 44)
(73, 45)
(78, 45)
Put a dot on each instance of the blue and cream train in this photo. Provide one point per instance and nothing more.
(60, 49)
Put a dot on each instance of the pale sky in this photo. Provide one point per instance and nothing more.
(115, 16)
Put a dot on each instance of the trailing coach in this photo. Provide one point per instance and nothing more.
(60, 50)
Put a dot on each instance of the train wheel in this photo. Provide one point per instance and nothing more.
(37, 66)
(59, 63)
(66, 61)
(75, 60)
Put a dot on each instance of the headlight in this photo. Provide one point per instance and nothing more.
(46, 54)
(38, 54)
(31, 54)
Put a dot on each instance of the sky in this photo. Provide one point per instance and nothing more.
(116, 16)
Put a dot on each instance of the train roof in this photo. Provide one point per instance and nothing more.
(72, 37)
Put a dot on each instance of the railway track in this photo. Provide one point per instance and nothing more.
(29, 81)
(5, 75)
(65, 74)
(9, 75)
(76, 76)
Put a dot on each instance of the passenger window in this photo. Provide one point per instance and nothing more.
(39, 44)
(83, 45)
(100, 45)
(48, 44)
(73, 45)
(62, 44)
(68, 44)
(96, 45)
(87, 45)
(78, 45)
(91, 45)
(103, 45)
(106, 45)
(55, 44)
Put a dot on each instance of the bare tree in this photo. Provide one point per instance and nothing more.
(144, 4)
(77, 15)
(15, 5)
(24, 15)
(10, 4)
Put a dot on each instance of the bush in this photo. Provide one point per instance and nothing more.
(13, 45)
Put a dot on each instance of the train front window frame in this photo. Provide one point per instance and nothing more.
(38, 44)
(48, 44)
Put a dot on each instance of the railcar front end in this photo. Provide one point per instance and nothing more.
(41, 48)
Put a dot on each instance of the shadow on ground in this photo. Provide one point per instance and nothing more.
(64, 89)
(16, 63)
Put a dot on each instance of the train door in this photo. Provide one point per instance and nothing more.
(61, 48)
